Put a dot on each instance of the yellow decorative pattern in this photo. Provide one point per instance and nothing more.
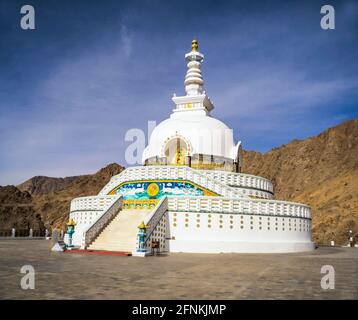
(153, 189)
(142, 226)
(71, 222)
(139, 204)
(207, 192)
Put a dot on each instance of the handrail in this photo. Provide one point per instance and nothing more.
(99, 202)
(243, 180)
(155, 218)
(102, 221)
(239, 206)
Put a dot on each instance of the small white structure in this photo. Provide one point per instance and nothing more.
(57, 248)
(190, 192)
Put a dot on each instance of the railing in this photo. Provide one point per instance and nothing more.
(23, 233)
(6, 233)
(241, 180)
(140, 203)
(167, 172)
(155, 218)
(238, 206)
(96, 228)
(92, 203)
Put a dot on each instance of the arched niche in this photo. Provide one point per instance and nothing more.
(176, 151)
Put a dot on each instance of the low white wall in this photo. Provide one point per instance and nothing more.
(84, 219)
(78, 236)
(214, 232)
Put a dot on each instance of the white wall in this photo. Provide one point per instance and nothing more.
(213, 232)
(84, 219)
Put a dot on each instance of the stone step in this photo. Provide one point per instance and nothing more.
(114, 243)
(112, 246)
(119, 249)
(121, 233)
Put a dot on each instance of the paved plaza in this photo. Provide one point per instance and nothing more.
(175, 276)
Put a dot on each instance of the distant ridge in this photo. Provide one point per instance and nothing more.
(54, 206)
(45, 201)
(40, 185)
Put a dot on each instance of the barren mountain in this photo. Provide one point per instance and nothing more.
(321, 171)
(54, 206)
(49, 204)
(17, 211)
(41, 185)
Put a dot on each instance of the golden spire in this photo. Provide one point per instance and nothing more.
(194, 45)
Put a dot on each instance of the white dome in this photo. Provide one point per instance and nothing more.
(201, 133)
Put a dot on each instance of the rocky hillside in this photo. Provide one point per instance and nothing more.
(41, 185)
(17, 210)
(45, 201)
(54, 206)
(321, 171)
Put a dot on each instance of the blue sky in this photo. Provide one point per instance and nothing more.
(71, 88)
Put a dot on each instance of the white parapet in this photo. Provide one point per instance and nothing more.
(241, 180)
(100, 203)
(224, 183)
(239, 206)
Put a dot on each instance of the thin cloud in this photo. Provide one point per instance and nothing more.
(126, 41)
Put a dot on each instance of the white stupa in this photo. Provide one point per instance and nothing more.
(190, 195)
(191, 136)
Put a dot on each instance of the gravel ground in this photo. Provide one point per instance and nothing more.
(175, 276)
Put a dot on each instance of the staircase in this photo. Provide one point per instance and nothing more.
(121, 233)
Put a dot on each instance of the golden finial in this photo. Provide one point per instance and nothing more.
(142, 226)
(71, 222)
(194, 45)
